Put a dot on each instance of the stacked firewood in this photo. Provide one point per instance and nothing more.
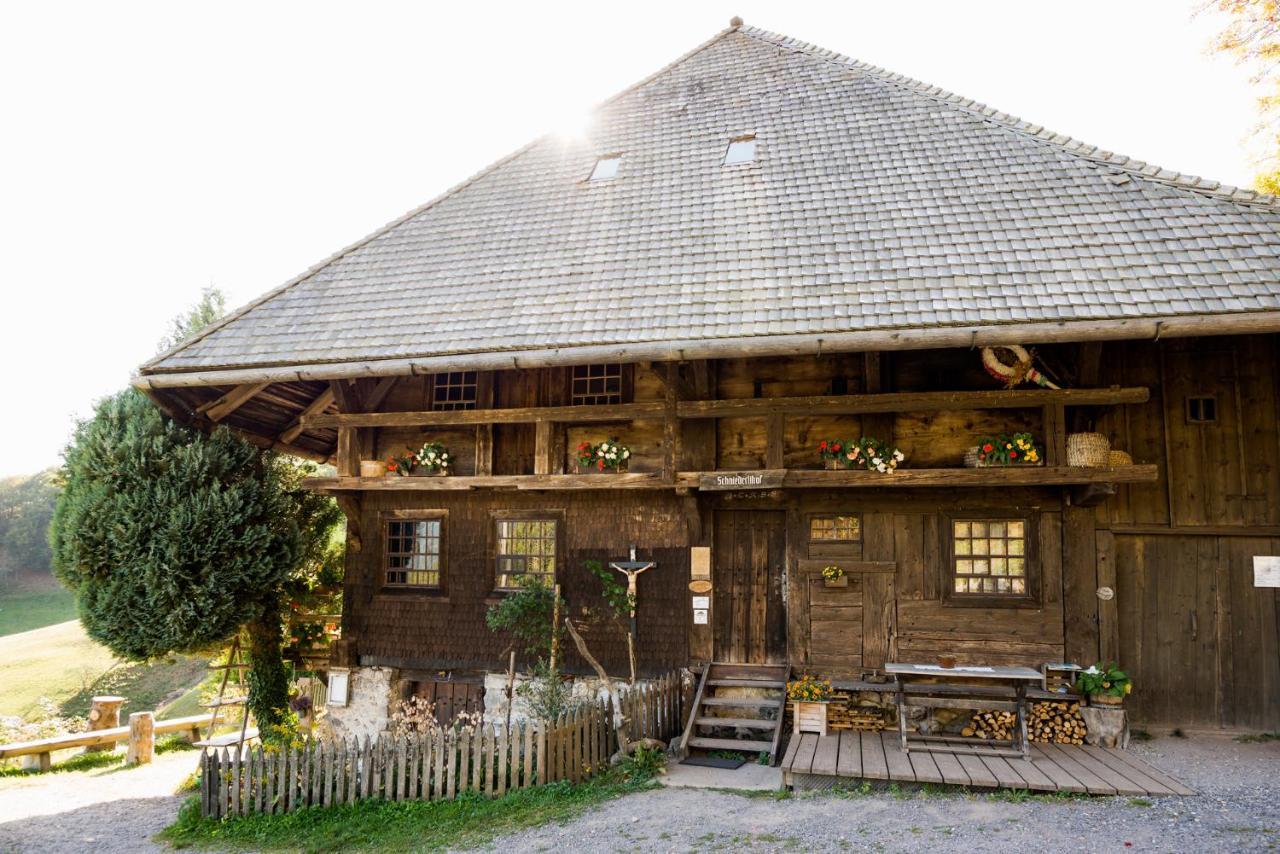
(1057, 722)
(993, 725)
(846, 712)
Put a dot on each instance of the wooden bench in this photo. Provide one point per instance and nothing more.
(43, 748)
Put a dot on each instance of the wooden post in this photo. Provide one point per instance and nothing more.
(104, 714)
(142, 738)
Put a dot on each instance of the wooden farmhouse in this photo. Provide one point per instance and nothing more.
(762, 248)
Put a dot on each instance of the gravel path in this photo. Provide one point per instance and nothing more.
(1237, 808)
(112, 810)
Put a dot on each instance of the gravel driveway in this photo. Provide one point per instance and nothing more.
(1237, 808)
(112, 810)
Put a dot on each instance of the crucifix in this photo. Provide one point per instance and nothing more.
(632, 569)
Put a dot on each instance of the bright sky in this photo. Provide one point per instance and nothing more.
(150, 150)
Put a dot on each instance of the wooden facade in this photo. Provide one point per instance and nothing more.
(1172, 537)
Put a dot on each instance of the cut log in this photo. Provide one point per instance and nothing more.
(104, 714)
(142, 738)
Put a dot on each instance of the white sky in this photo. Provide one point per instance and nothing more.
(149, 150)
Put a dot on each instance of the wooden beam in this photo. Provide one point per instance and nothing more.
(852, 404)
(775, 440)
(673, 389)
(318, 404)
(216, 410)
(1010, 476)
(189, 419)
(1054, 418)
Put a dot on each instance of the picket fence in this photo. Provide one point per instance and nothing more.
(438, 766)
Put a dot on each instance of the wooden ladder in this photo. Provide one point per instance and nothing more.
(756, 697)
(235, 661)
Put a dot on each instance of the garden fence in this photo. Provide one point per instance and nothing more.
(437, 766)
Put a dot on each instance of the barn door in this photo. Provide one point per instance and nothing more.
(750, 623)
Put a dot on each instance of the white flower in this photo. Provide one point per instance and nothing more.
(1093, 670)
(626, 454)
(898, 455)
(880, 468)
(600, 451)
(876, 461)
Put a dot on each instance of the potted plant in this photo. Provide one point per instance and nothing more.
(833, 453)
(609, 456)
(810, 695)
(1004, 450)
(1104, 684)
(833, 576)
(434, 459)
(400, 465)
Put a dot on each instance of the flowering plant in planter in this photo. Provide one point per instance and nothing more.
(401, 464)
(832, 573)
(809, 689)
(434, 457)
(1105, 683)
(605, 456)
(833, 453)
(875, 455)
(1004, 450)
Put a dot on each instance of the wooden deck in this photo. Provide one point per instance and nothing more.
(819, 761)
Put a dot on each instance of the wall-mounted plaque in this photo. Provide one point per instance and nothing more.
(1266, 571)
(700, 586)
(702, 602)
(700, 562)
(727, 480)
(700, 617)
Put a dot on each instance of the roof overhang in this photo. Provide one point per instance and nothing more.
(937, 337)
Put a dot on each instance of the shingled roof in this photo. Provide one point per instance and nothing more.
(877, 209)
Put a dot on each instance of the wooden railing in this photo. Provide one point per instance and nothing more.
(489, 760)
(43, 747)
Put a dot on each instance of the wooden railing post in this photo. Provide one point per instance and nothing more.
(142, 738)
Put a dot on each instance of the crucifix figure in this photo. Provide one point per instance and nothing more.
(632, 569)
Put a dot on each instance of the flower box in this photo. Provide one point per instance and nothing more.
(1105, 700)
(585, 468)
(810, 716)
(842, 581)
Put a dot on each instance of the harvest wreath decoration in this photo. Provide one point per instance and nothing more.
(605, 456)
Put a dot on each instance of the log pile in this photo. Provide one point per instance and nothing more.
(846, 712)
(1056, 722)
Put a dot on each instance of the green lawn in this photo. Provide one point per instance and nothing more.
(33, 604)
(374, 826)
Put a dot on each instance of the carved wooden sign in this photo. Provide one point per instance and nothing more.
(735, 480)
(700, 585)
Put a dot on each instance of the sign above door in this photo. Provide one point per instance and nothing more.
(734, 480)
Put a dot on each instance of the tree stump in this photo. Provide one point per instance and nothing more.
(142, 738)
(104, 714)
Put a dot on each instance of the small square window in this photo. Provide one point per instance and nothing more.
(1202, 409)
(526, 549)
(606, 168)
(987, 558)
(740, 151)
(835, 529)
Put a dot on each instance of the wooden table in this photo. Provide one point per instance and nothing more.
(995, 688)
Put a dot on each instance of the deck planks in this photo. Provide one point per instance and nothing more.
(1051, 767)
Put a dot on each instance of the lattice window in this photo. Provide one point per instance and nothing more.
(989, 557)
(453, 390)
(835, 529)
(413, 552)
(526, 548)
(596, 384)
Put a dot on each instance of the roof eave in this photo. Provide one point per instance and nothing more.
(1174, 326)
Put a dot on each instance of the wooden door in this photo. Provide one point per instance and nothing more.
(750, 550)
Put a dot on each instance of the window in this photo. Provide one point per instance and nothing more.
(596, 384)
(742, 150)
(1202, 409)
(834, 529)
(989, 558)
(413, 552)
(606, 167)
(453, 391)
(526, 548)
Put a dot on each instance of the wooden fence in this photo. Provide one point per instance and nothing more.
(487, 759)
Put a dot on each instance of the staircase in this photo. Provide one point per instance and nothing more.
(756, 697)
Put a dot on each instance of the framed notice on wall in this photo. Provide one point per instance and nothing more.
(1266, 570)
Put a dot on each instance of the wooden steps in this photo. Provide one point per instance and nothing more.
(757, 694)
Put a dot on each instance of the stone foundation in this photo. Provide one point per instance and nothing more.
(369, 700)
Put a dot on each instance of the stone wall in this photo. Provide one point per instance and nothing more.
(369, 699)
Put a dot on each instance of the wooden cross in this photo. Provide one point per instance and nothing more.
(632, 569)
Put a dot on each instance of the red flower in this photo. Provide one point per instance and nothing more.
(391, 465)
(583, 446)
(988, 447)
(1013, 455)
(835, 446)
(822, 446)
(600, 464)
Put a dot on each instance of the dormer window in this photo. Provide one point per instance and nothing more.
(741, 150)
(606, 168)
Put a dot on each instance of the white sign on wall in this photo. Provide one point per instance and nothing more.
(702, 602)
(700, 616)
(338, 687)
(1266, 570)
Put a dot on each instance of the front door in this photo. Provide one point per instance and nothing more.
(750, 622)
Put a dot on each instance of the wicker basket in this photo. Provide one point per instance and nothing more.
(971, 460)
(1087, 449)
(1119, 458)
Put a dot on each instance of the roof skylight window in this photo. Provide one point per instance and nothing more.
(606, 168)
(741, 150)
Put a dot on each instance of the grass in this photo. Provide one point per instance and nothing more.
(1258, 738)
(33, 602)
(55, 661)
(375, 825)
(146, 687)
(100, 759)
